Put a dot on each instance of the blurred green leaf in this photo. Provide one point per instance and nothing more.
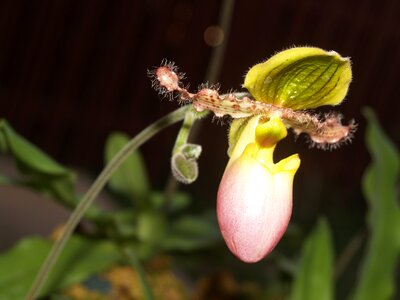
(377, 277)
(177, 202)
(40, 171)
(3, 141)
(30, 158)
(80, 259)
(130, 224)
(5, 179)
(131, 179)
(192, 233)
(151, 226)
(314, 280)
(124, 224)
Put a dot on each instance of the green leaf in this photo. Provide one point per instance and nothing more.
(176, 202)
(377, 276)
(151, 226)
(314, 280)
(300, 78)
(40, 172)
(131, 179)
(30, 158)
(80, 259)
(191, 233)
(123, 224)
(5, 180)
(3, 141)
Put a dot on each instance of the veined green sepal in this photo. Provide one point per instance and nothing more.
(300, 78)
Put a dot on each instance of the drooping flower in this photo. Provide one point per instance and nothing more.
(255, 195)
(254, 201)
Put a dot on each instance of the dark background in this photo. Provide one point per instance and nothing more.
(73, 71)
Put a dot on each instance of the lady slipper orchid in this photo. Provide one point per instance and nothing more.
(254, 201)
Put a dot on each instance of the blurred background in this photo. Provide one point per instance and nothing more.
(71, 72)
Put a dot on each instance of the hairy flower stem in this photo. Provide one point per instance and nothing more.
(94, 190)
(326, 132)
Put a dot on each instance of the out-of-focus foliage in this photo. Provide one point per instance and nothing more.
(131, 179)
(377, 275)
(190, 233)
(378, 268)
(155, 223)
(81, 258)
(150, 226)
(314, 279)
(38, 170)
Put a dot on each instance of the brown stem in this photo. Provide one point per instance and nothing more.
(348, 253)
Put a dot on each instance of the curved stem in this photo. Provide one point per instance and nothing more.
(136, 265)
(184, 132)
(94, 190)
(217, 55)
(348, 253)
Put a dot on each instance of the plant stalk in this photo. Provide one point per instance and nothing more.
(94, 190)
(137, 266)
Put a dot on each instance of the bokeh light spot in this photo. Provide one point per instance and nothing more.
(213, 36)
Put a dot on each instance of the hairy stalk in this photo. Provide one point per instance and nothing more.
(94, 190)
(326, 132)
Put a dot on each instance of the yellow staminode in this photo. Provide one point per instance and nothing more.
(258, 139)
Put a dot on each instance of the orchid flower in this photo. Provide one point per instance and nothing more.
(254, 201)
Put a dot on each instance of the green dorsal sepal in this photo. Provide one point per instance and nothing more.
(300, 78)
